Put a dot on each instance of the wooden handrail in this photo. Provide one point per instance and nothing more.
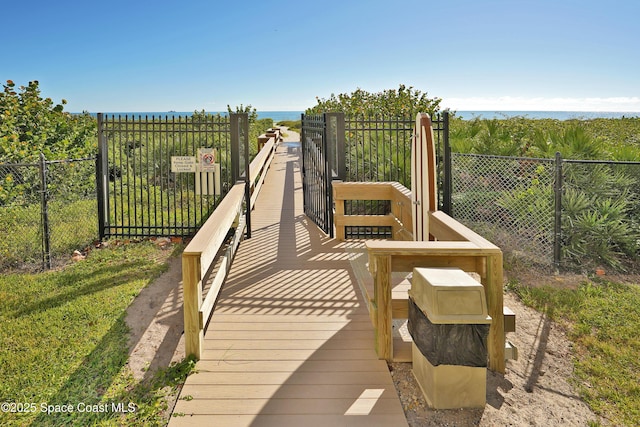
(445, 228)
(400, 198)
(273, 132)
(260, 160)
(203, 251)
(197, 259)
(259, 166)
(454, 245)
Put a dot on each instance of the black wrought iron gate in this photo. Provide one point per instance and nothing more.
(363, 149)
(316, 177)
(323, 160)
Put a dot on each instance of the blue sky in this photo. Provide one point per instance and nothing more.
(137, 55)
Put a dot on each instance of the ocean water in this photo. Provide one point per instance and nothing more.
(557, 115)
(466, 115)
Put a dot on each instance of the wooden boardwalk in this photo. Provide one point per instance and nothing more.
(290, 342)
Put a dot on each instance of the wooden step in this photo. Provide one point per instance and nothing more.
(400, 284)
(509, 319)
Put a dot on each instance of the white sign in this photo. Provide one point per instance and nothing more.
(183, 164)
(207, 158)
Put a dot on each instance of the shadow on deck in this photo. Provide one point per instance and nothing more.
(290, 341)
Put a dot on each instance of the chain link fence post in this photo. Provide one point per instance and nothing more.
(44, 198)
(557, 226)
(446, 156)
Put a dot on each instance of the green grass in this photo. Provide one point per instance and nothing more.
(64, 341)
(604, 320)
(73, 225)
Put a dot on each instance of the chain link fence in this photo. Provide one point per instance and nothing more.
(569, 214)
(509, 201)
(47, 210)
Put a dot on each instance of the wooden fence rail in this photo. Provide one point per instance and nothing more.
(453, 245)
(202, 263)
(396, 193)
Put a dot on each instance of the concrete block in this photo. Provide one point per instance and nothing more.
(450, 386)
(510, 351)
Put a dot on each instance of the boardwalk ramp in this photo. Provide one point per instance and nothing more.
(290, 342)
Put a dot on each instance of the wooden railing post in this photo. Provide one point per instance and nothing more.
(495, 302)
(192, 294)
(382, 303)
(339, 213)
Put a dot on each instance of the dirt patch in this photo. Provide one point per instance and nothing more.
(156, 322)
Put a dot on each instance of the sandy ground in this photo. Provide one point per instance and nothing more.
(156, 322)
(535, 390)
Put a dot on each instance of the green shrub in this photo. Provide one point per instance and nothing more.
(402, 102)
(30, 125)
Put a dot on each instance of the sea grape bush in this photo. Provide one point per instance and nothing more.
(30, 125)
(402, 102)
(383, 153)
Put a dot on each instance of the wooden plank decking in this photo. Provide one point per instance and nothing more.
(290, 342)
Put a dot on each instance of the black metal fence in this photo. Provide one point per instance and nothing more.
(379, 149)
(48, 210)
(161, 176)
(361, 148)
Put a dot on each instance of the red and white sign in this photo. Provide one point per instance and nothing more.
(207, 158)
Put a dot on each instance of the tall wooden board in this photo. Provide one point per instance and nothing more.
(423, 176)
